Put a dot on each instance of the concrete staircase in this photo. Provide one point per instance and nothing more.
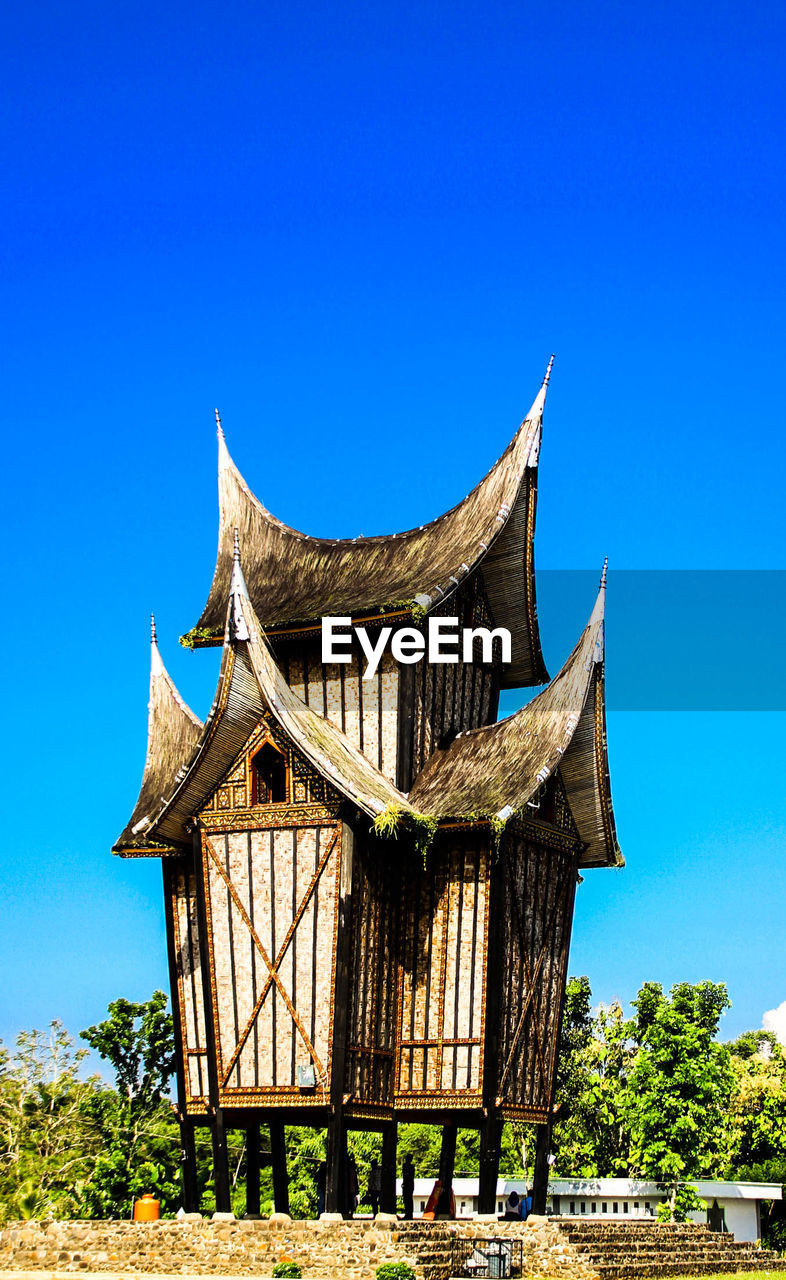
(625, 1250)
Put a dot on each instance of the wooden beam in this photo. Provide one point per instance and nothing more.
(387, 1201)
(220, 1162)
(216, 1121)
(278, 1155)
(336, 1164)
(447, 1160)
(187, 1147)
(540, 1181)
(490, 1149)
(189, 1166)
(335, 1188)
(252, 1169)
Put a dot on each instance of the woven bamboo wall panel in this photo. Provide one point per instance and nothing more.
(190, 992)
(373, 971)
(539, 887)
(443, 971)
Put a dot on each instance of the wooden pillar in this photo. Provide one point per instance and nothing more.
(188, 1166)
(253, 1163)
(216, 1114)
(540, 1181)
(278, 1157)
(490, 1148)
(491, 1128)
(336, 1162)
(220, 1161)
(447, 1160)
(387, 1200)
(336, 1165)
(187, 1145)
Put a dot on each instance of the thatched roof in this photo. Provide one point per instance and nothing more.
(173, 732)
(493, 771)
(250, 684)
(294, 578)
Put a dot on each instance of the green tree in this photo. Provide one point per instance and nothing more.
(49, 1142)
(590, 1136)
(680, 1083)
(140, 1138)
(757, 1111)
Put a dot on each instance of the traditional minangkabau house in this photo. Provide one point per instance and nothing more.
(369, 883)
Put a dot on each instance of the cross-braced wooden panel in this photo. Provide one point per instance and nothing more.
(272, 906)
(539, 883)
(442, 981)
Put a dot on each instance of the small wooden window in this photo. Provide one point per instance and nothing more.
(268, 776)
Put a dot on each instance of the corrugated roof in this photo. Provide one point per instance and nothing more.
(295, 578)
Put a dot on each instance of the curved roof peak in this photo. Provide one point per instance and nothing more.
(173, 731)
(498, 769)
(294, 578)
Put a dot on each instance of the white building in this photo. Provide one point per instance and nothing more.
(739, 1203)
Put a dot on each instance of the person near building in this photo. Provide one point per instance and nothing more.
(374, 1186)
(512, 1208)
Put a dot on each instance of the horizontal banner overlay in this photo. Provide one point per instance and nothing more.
(676, 639)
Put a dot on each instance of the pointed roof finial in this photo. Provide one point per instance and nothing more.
(238, 592)
(603, 574)
(536, 412)
(224, 460)
(153, 636)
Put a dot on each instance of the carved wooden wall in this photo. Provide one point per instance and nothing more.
(443, 977)
(182, 906)
(371, 1032)
(539, 871)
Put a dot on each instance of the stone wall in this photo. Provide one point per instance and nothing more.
(325, 1250)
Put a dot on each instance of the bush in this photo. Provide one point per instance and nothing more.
(775, 1236)
(287, 1271)
(395, 1271)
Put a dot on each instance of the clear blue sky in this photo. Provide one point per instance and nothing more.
(360, 232)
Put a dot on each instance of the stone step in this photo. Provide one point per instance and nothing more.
(630, 1271)
(688, 1246)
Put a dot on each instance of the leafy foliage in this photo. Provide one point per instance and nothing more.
(395, 1271)
(49, 1141)
(287, 1271)
(140, 1143)
(656, 1094)
(680, 1083)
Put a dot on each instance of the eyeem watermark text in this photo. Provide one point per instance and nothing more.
(443, 641)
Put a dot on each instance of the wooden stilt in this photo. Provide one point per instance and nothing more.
(220, 1162)
(336, 1174)
(540, 1182)
(252, 1169)
(278, 1156)
(490, 1148)
(189, 1166)
(387, 1202)
(447, 1160)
